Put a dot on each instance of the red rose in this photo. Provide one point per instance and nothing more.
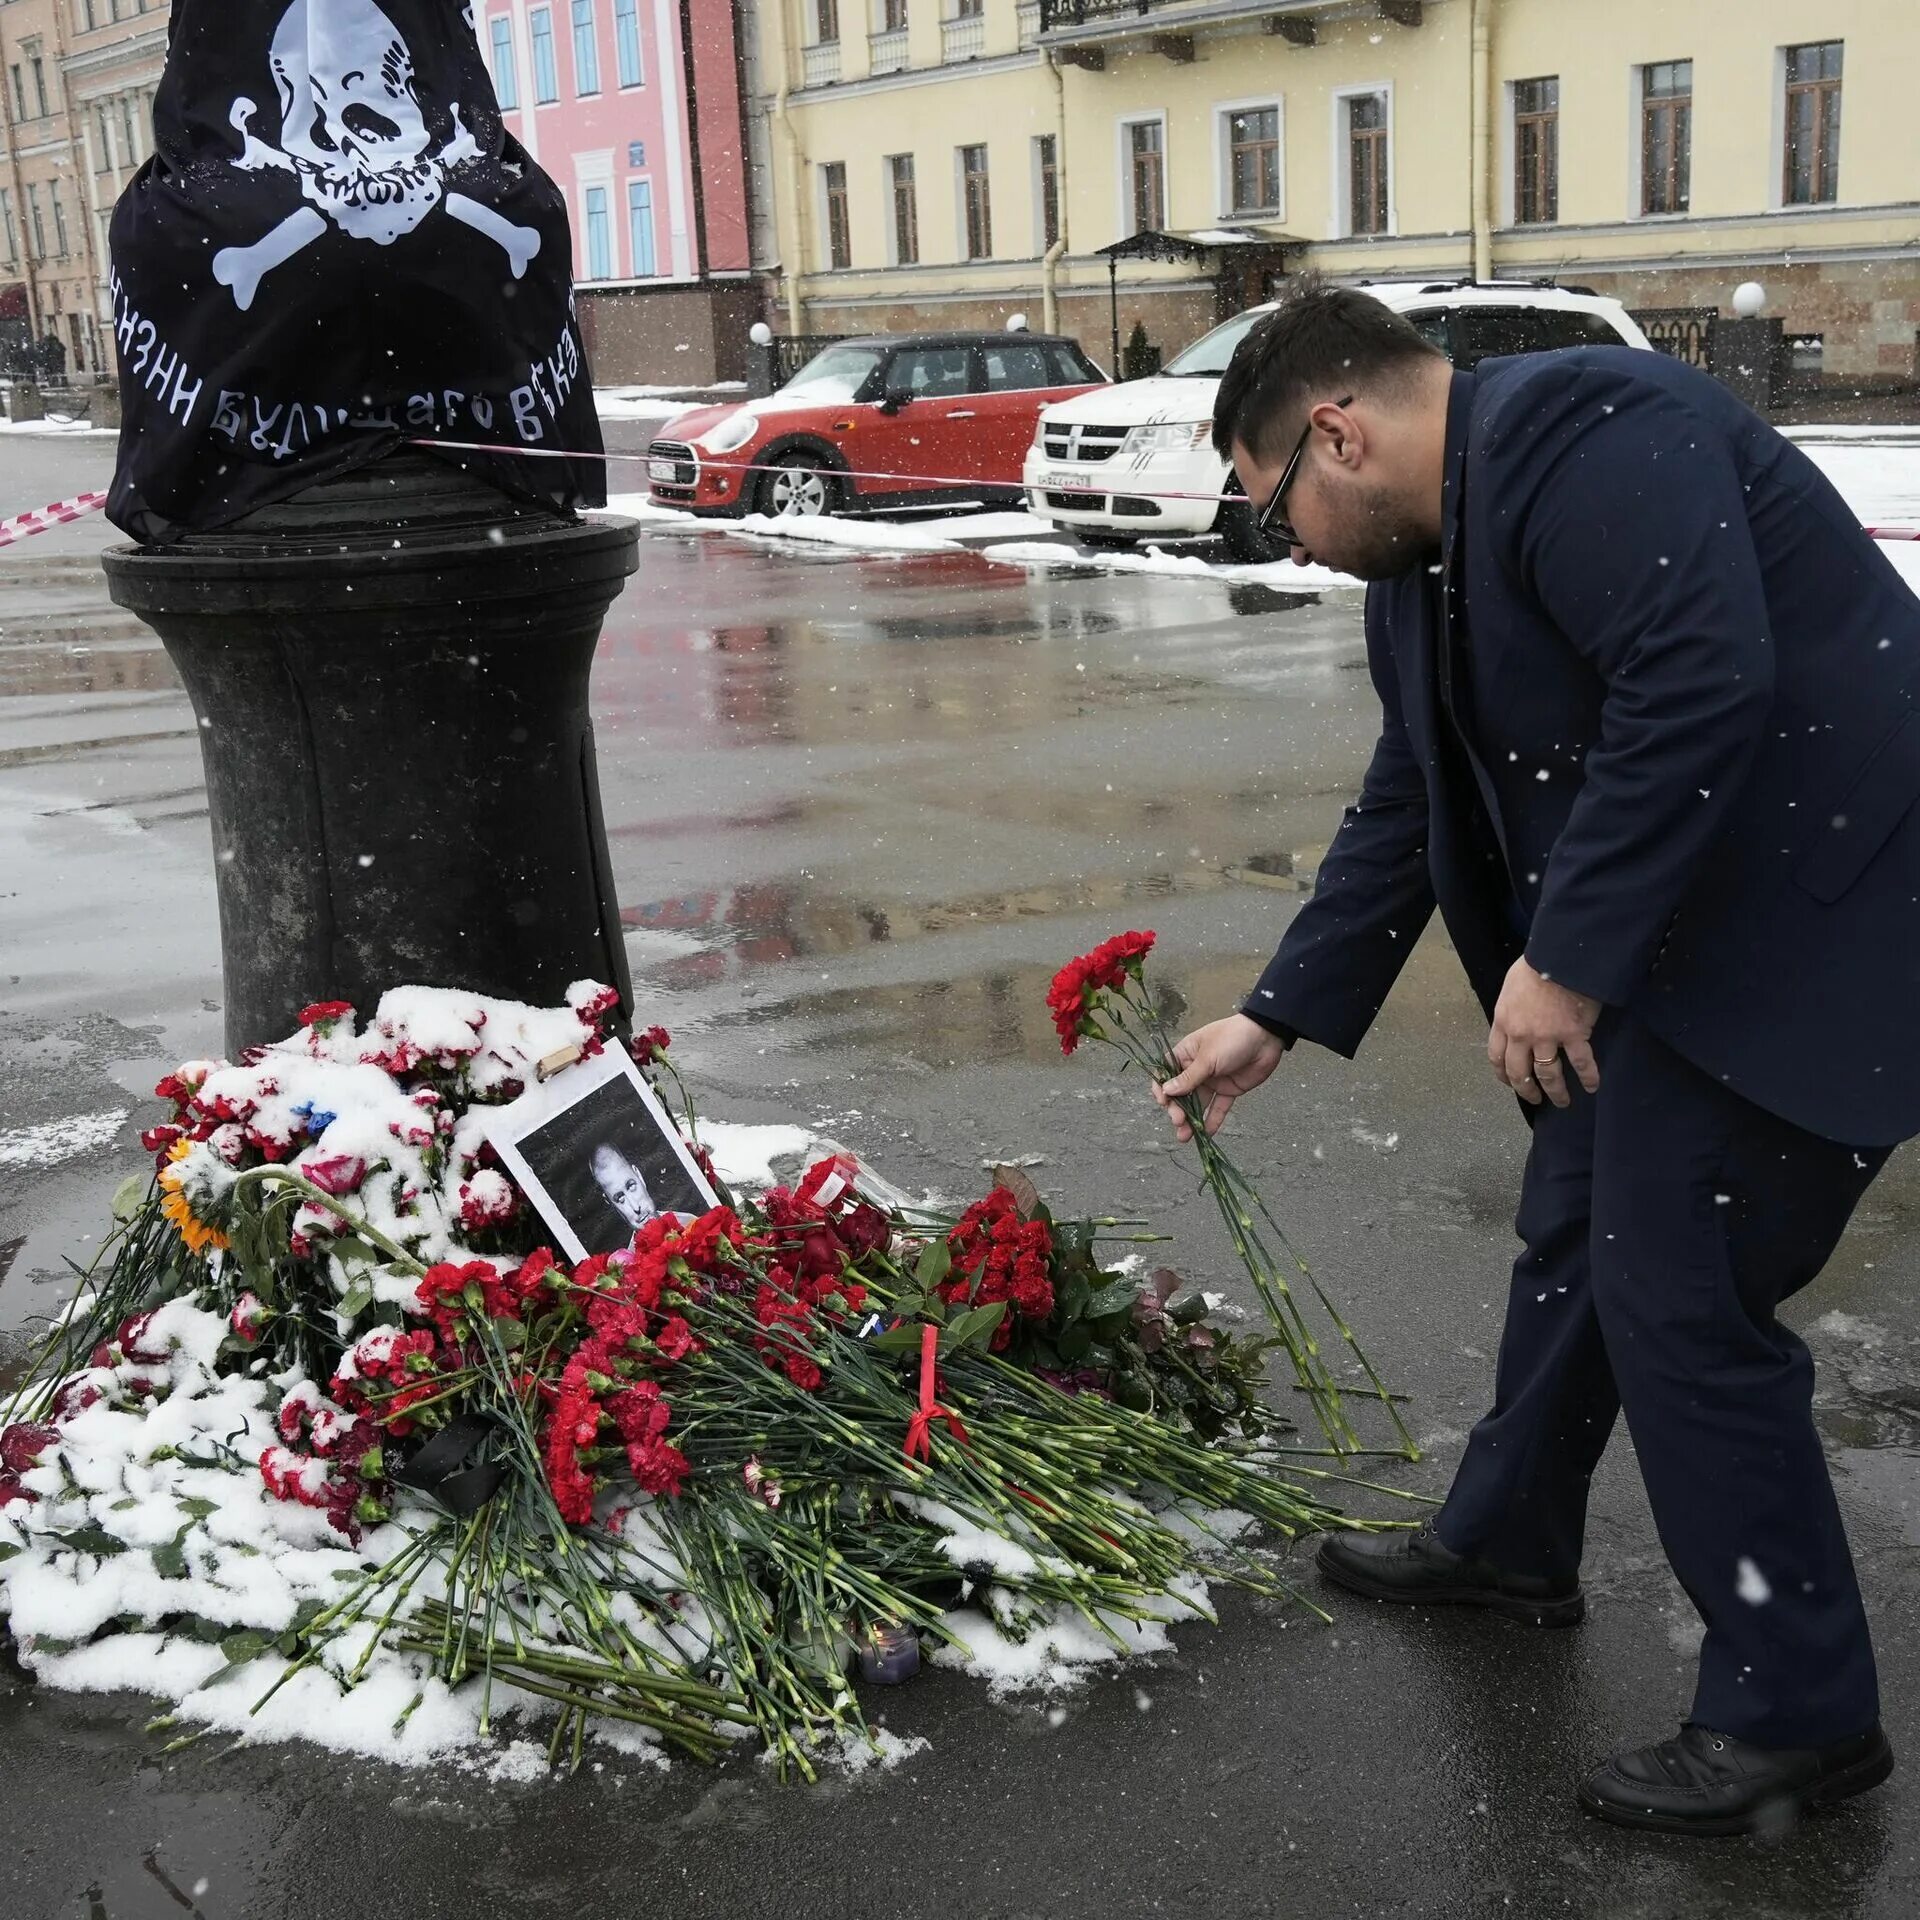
(337, 1173)
(22, 1444)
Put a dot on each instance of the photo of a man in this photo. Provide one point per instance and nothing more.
(598, 1156)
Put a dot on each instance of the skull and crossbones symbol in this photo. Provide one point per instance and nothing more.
(352, 133)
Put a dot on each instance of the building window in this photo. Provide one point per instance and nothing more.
(599, 235)
(130, 152)
(833, 185)
(1367, 161)
(1147, 175)
(1666, 136)
(893, 16)
(826, 23)
(974, 203)
(505, 88)
(1253, 160)
(1046, 169)
(87, 21)
(1813, 124)
(586, 53)
(59, 220)
(546, 72)
(1536, 151)
(969, 9)
(626, 35)
(33, 220)
(640, 228)
(906, 211)
(19, 93)
(39, 82)
(7, 227)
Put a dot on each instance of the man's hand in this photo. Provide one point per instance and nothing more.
(1219, 1062)
(1534, 1023)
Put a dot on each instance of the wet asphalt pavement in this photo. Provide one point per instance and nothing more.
(860, 809)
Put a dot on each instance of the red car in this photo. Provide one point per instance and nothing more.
(920, 420)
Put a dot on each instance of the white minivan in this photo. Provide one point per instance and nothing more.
(1111, 465)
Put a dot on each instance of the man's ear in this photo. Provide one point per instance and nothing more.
(1346, 438)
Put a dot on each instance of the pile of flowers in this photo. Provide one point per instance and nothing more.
(668, 1489)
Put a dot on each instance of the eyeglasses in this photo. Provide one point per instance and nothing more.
(1270, 522)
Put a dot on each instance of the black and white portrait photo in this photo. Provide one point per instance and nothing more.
(597, 1155)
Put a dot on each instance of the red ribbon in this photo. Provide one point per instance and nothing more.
(919, 1440)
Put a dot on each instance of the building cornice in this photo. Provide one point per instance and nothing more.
(958, 70)
(87, 59)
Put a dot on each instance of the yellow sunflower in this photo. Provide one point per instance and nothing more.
(201, 1236)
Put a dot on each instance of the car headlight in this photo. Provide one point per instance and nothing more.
(1170, 437)
(731, 434)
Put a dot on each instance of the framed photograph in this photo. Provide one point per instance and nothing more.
(596, 1153)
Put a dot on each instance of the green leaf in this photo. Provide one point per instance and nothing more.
(123, 1506)
(196, 1508)
(1075, 1342)
(1073, 1241)
(974, 1328)
(1183, 1313)
(248, 1644)
(358, 1297)
(904, 1338)
(934, 1265)
(1075, 1293)
(92, 1538)
(128, 1196)
(170, 1560)
(1116, 1298)
(8, 1550)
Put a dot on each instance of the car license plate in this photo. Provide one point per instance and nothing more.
(1070, 482)
(662, 469)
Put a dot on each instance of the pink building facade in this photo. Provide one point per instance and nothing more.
(633, 108)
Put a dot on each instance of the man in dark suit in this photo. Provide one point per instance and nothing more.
(1650, 745)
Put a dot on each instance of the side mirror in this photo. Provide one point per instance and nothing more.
(894, 399)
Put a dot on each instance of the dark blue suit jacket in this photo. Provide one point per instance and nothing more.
(1650, 721)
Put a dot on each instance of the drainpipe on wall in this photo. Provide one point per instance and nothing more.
(797, 165)
(1482, 139)
(1050, 260)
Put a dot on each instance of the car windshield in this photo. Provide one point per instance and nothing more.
(835, 373)
(1208, 356)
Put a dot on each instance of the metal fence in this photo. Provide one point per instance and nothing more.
(770, 367)
(1685, 333)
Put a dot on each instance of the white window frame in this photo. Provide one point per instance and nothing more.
(595, 170)
(643, 176)
(1340, 226)
(1123, 166)
(1223, 113)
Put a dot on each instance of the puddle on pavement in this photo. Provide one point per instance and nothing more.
(80, 658)
(763, 924)
(996, 1015)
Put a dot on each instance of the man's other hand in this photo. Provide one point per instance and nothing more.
(1535, 1024)
(1218, 1063)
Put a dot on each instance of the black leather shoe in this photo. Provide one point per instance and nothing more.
(1416, 1569)
(1707, 1783)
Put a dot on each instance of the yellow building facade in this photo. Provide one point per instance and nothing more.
(931, 166)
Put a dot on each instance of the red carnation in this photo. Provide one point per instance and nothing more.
(22, 1444)
(1080, 982)
(323, 1013)
(647, 1047)
(336, 1173)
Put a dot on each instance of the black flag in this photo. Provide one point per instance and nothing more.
(336, 248)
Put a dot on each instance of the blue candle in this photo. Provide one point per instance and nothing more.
(889, 1654)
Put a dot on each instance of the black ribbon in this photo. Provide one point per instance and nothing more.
(440, 1468)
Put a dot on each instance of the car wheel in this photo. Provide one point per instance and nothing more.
(797, 483)
(1243, 539)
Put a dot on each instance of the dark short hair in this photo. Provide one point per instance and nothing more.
(1320, 342)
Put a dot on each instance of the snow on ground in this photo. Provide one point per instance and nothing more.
(1282, 575)
(55, 423)
(53, 1141)
(1878, 478)
(643, 403)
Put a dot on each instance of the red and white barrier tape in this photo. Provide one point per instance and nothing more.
(41, 518)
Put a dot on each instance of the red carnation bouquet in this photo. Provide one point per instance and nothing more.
(1103, 996)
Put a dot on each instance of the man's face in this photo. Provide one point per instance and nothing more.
(626, 1191)
(1341, 504)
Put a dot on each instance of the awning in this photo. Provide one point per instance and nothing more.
(1200, 243)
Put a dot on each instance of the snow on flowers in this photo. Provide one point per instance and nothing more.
(642, 1491)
